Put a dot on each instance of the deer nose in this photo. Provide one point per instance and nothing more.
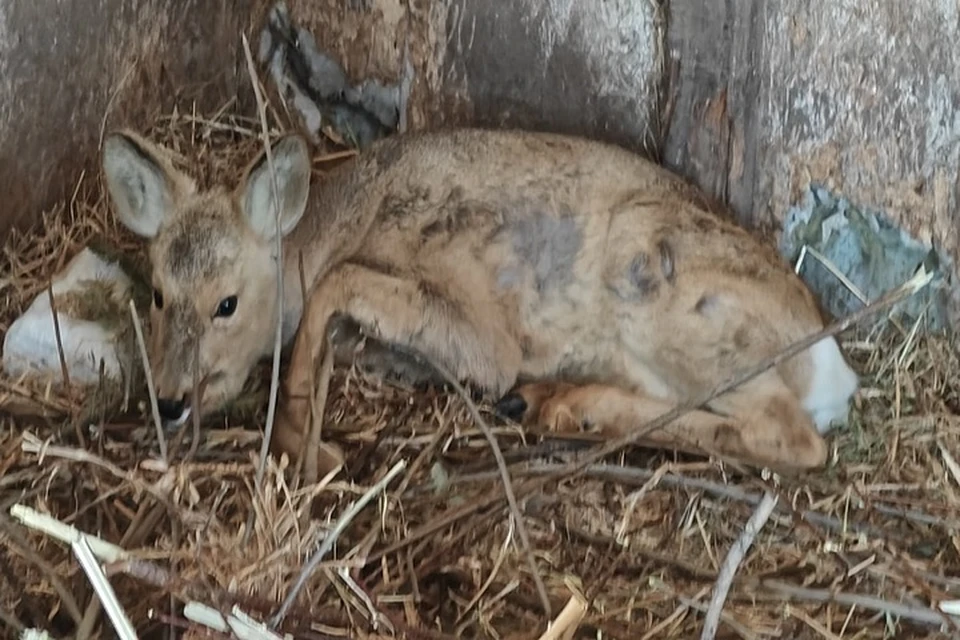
(170, 409)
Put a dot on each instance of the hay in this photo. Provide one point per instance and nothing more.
(866, 549)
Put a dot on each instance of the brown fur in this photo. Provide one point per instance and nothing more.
(504, 256)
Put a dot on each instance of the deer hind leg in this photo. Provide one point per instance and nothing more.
(761, 423)
(395, 311)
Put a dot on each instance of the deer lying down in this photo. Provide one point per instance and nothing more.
(581, 285)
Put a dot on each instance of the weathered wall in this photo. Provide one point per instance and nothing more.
(558, 65)
(591, 68)
(861, 96)
(62, 63)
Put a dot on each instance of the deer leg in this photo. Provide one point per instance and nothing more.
(396, 311)
(762, 423)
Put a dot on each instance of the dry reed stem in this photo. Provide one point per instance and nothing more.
(196, 401)
(568, 620)
(331, 539)
(318, 405)
(275, 373)
(732, 562)
(921, 615)
(151, 389)
(105, 593)
(56, 332)
(507, 485)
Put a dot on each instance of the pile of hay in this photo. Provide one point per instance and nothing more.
(866, 549)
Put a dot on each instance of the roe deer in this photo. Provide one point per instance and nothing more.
(578, 283)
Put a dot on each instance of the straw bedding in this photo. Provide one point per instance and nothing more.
(641, 537)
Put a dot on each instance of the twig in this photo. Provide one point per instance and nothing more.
(152, 390)
(949, 460)
(144, 520)
(569, 619)
(920, 615)
(319, 391)
(197, 398)
(507, 483)
(302, 466)
(634, 475)
(318, 407)
(238, 624)
(377, 618)
(732, 562)
(121, 622)
(56, 332)
(52, 527)
(278, 338)
(331, 539)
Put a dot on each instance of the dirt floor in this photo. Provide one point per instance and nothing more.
(866, 548)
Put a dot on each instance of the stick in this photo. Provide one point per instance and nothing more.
(507, 484)
(569, 619)
(195, 444)
(56, 332)
(121, 622)
(32, 444)
(920, 615)
(732, 562)
(318, 407)
(302, 468)
(331, 539)
(632, 475)
(278, 337)
(275, 373)
(152, 391)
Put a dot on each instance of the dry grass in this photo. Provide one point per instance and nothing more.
(642, 536)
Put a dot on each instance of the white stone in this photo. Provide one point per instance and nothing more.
(30, 345)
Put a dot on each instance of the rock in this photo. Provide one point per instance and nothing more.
(91, 295)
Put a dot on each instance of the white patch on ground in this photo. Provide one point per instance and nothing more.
(30, 345)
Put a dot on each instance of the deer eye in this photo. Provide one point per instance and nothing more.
(158, 298)
(226, 307)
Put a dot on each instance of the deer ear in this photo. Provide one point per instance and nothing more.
(142, 184)
(291, 163)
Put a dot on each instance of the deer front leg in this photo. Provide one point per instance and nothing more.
(398, 311)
